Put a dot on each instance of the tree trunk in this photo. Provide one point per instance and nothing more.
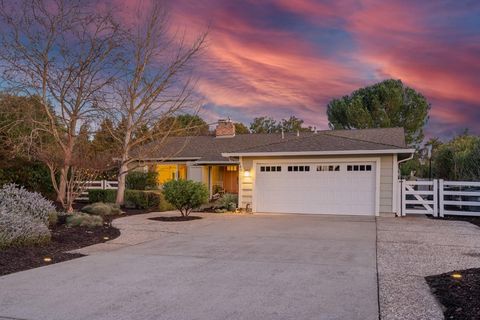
(121, 184)
(62, 186)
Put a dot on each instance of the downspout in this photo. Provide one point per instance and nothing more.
(403, 160)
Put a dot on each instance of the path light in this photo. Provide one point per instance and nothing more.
(106, 238)
(47, 259)
(456, 276)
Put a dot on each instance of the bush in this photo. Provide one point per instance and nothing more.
(141, 180)
(185, 195)
(24, 216)
(164, 204)
(140, 199)
(102, 209)
(52, 219)
(228, 201)
(100, 195)
(80, 219)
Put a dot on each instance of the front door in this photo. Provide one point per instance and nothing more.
(230, 179)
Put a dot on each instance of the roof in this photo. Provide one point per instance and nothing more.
(210, 149)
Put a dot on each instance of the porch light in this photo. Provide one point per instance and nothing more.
(456, 276)
(47, 259)
(246, 173)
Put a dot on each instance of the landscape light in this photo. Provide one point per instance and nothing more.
(106, 238)
(457, 276)
(47, 259)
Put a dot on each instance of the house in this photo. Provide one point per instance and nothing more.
(326, 172)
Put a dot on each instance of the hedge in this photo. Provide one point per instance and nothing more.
(140, 199)
(141, 180)
(100, 195)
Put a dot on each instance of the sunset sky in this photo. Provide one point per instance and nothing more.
(290, 57)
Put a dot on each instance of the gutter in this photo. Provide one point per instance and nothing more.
(314, 153)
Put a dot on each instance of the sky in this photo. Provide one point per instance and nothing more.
(291, 57)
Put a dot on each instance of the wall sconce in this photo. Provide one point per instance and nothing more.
(246, 173)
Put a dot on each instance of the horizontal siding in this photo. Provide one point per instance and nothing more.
(386, 184)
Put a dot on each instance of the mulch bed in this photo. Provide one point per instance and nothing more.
(460, 297)
(474, 220)
(175, 219)
(63, 239)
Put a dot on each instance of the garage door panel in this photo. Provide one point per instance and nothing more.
(326, 188)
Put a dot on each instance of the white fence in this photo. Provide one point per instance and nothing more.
(439, 198)
(101, 184)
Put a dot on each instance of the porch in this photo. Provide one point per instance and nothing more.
(219, 178)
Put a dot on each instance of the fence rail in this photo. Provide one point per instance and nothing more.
(439, 198)
(100, 184)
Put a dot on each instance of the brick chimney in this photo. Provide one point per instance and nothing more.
(225, 129)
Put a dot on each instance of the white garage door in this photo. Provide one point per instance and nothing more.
(317, 188)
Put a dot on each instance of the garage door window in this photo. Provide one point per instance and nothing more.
(270, 168)
(328, 168)
(298, 168)
(359, 167)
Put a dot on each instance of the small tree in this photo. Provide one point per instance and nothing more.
(185, 195)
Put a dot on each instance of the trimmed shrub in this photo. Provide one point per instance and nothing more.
(80, 219)
(140, 199)
(99, 195)
(52, 219)
(136, 180)
(228, 201)
(102, 209)
(24, 216)
(164, 204)
(185, 195)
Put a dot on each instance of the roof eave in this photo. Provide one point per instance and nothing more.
(316, 153)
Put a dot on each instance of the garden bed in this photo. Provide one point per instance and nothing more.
(474, 220)
(460, 296)
(176, 218)
(64, 239)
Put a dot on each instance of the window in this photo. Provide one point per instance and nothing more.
(232, 168)
(328, 168)
(361, 167)
(298, 168)
(270, 168)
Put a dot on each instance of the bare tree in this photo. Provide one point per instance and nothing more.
(64, 53)
(155, 85)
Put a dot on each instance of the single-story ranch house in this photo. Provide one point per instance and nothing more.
(326, 172)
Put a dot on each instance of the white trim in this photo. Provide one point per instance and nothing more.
(227, 163)
(316, 153)
(395, 182)
(378, 169)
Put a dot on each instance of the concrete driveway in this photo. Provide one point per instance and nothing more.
(220, 267)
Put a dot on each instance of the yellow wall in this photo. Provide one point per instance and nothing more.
(166, 172)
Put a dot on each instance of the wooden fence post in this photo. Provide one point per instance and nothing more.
(441, 206)
(404, 205)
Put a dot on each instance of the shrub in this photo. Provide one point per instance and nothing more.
(52, 219)
(228, 201)
(141, 199)
(164, 204)
(99, 195)
(24, 216)
(185, 195)
(102, 209)
(141, 180)
(80, 219)
(20, 230)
